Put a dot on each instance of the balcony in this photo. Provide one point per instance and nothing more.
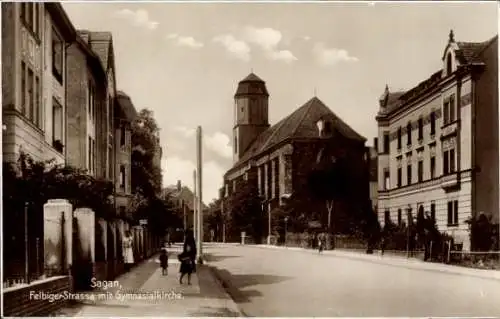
(450, 181)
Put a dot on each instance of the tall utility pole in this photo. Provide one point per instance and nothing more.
(200, 197)
(195, 204)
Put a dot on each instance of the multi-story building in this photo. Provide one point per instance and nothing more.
(438, 142)
(278, 158)
(35, 38)
(125, 114)
(87, 109)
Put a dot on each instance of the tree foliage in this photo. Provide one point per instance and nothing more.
(36, 182)
(484, 234)
(148, 202)
(246, 211)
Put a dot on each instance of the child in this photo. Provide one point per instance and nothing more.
(164, 261)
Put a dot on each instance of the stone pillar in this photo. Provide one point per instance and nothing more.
(85, 218)
(58, 235)
(104, 238)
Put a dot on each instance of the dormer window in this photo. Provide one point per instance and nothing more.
(328, 128)
(325, 128)
(449, 68)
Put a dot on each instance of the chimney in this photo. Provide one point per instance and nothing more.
(179, 185)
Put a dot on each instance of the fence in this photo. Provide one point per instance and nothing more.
(23, 254)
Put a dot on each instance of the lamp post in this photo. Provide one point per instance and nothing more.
(286, 230)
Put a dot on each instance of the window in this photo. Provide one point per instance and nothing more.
(449, 161)
(91, 97)
(30, 16)
(89, 157)
(57, 125)
(23, 89)
(448, 65)
(122, 135)
(387, 185)
(328, 128)
(433, 211)
(38, 106)
(453, 213)
(57, 56)
(375, 144)
(408, 174)
(110, 114)
(420, 129)
(408, 133)
(399, 138)
(433, 166)
(122, 177)
(433, 123)
(400, 176)
(386, 143)
(449, 115)
(235, 145)
(387, 216)
(31, 94)
(400, 217)
(420, 172)
(93, 155)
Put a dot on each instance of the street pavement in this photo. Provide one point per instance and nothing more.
(293, 283)
(205, 297)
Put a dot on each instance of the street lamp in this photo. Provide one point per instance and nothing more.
(286, 230)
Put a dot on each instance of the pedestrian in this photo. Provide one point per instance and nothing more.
(164, 261)
(187, 258)
(320, 243)
(191, 243)
(128, 252)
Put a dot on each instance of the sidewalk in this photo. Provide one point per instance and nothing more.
(146, 292)
(398, 261)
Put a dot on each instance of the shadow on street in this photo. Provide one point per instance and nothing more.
(215, 258)
(214, 312)
(234, 284)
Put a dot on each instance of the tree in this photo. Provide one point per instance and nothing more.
(246, 211)
(148, 202)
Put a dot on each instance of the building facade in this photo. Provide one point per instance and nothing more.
(278, 158)
(438, 142)
(125, 114)
(87, 109)
(35, 39)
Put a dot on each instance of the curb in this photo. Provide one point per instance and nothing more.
(225, 286)
(457, 272)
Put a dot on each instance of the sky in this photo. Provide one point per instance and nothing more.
(184, 61)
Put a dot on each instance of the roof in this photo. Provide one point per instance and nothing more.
(184, 194)
(82, 41)
(467, 53)
(126, 105)
(251, 85)
(252, 78)
(61, 20)
(298, 125)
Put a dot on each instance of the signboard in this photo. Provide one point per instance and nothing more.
(143, 222)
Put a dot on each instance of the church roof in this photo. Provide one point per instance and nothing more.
(252, 78)
(301, 124)
(251, 85)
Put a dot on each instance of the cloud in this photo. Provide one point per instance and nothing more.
(183, 41)
(177, 168)
(283, 55)
(139, 18)
(237, 48)
(218, 142)
(329, 57)
(306, 38)
(268, 40)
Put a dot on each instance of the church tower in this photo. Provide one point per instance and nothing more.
(251, 113)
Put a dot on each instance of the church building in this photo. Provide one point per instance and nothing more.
(279, 157)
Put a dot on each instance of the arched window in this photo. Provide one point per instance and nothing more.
(448, 65)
